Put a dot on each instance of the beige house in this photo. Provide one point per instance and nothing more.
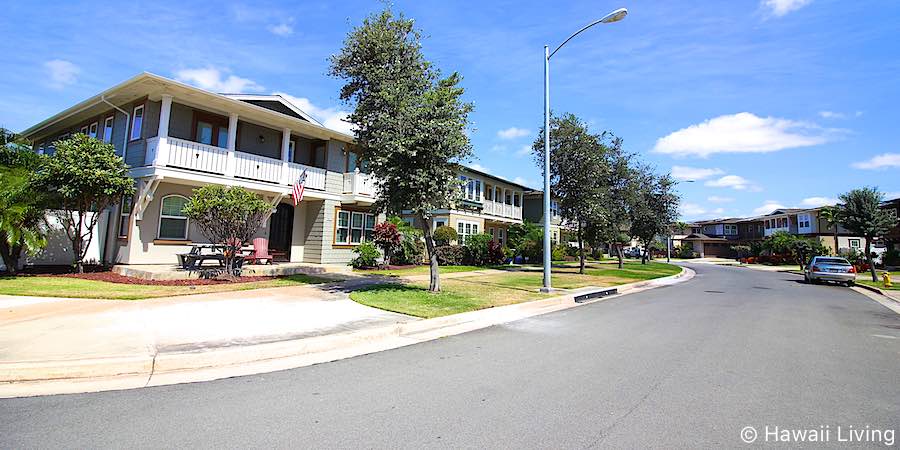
(177, 137)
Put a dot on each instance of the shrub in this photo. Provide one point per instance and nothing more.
(368, 255)
(450, 255)
(387, 237)
(558, 253)
(684, 251)
(741, 251)
(891, 257)
(412, 249)
(478, 249)
(572, 251)
(444, 235)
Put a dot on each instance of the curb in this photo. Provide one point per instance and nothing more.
(22, 379)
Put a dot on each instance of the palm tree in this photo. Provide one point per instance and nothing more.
(830, 215)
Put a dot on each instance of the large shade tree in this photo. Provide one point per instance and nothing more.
(654, 207)
(613, 224)
(84, 176)
(409, 121)
(861, 214)
(577, 157)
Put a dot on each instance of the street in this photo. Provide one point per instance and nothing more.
(688, 365)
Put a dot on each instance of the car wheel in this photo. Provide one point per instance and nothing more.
(850, 284)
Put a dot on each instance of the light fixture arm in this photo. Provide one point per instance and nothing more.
(603, 19)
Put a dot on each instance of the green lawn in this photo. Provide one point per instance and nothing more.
(39, 286)
(485, 291)
(418, 270)
(866, 278)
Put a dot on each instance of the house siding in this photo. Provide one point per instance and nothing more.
(258, 140)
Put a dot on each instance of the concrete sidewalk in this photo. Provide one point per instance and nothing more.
(53, 346)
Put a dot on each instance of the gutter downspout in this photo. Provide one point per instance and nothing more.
(109, 222)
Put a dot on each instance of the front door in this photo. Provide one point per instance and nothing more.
(281, 225)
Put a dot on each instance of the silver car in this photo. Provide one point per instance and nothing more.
(830, 268)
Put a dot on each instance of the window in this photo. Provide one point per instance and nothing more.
(173, 224)
(124, 216)
(92, 130)
(500, 236)
(554, 208)
(84, 130)
(471, 188)
(108, 129)
(291, 146)
(731, 229)
(854, 243)
(137, 120)
(352, 161)
(354, 227)
(515, 199)
(803, 220)
(465, 229)
(440, 223)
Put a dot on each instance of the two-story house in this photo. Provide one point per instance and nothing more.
(809, 223)
(488, 204)
(892, 238)
(176, 137)
(534, 212)
(714, 238)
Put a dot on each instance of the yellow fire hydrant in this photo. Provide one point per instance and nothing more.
(886, 279)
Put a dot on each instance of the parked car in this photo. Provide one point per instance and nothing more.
(632, 252)
(830, 268)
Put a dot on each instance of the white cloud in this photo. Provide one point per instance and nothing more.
(61, 72)
(735, 182)
(334, 118)
(525, 150)
(781, 7)
(767, 207)
(283, 29)
(693, 173)
(513, 133)
(740, 133)
(815, 202)
(718, 199)
(832, 115)
(692, 209)
(881, 161)
(498, 148)
(217, 80)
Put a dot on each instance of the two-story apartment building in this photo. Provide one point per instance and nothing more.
(489, 204)
(176, 137)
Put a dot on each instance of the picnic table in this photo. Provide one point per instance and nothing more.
(201, 253)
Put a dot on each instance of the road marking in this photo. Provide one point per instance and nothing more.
(885, 336)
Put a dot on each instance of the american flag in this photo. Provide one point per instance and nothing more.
(299, 187)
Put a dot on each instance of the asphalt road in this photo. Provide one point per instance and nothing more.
(683, 366)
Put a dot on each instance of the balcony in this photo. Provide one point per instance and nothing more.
(208, 159)
(502, 210)
(359, 184)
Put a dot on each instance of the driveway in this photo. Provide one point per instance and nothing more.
(67, 329)
(685, 366)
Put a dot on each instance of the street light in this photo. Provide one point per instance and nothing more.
(612, 17)
(669, 240)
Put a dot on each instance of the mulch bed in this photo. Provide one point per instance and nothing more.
(113, 277)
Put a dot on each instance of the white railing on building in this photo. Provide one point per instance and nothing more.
(357, 183)
(184, 154)
(502, 209)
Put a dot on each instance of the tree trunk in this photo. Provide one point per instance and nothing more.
(836, 248)
(434, 281)
(10, 255)
(580, 250)
(621, 256)
(869, 259)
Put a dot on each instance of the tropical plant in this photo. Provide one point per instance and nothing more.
(478, 249)
(22, 207)
(388, 238)
(684, 251)
(444, 235)
(409, 122)
(831, 216)
(228, 216)
(367, 255)
(83, 177)
(861, 214)
(742, 251)
(450, 255)
(525, 239)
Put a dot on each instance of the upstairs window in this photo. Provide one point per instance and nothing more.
(731, 230)
(92, 130)
(108, 129)
(471, 188)
(137, 122)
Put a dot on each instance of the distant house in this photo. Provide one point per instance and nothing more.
(714, 238)
(892, 239)
(808, 223)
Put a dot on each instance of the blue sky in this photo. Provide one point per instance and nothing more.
(764, 103)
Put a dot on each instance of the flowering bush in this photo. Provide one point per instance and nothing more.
(388, 239)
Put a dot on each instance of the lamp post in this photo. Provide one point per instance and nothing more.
(612, 17)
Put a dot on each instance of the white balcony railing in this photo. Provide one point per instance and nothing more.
(183, 154)
(357, 183)
(502, 210)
